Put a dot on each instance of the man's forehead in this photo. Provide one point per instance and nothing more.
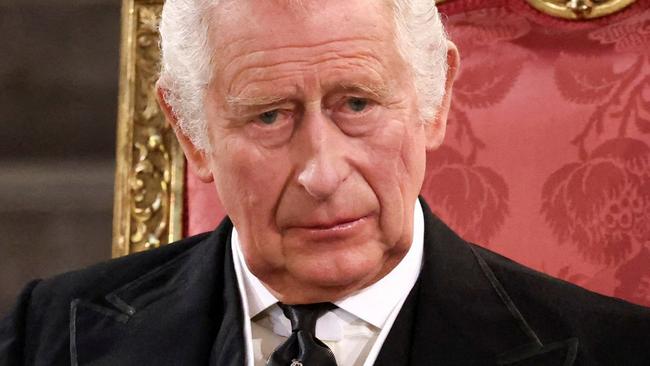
(297, 7)
(278, 23)
(255, 40)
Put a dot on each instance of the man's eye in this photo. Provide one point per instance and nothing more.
(269, 117)
(357, 104)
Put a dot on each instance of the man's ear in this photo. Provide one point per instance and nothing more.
(197, 159)
(435, 130)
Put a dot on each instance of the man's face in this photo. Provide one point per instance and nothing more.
(318, 152)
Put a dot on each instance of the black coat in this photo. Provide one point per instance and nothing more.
(180, 305)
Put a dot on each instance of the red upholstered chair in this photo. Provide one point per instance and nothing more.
(547, 157)
(547, 154)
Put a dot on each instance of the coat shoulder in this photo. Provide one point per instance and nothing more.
(611, 328)
(42, 313)
(523, 280)
(40, 325)
(102, 278)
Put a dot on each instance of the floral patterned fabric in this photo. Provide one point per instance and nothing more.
(547, 154)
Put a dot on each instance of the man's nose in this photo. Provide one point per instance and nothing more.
(323, 162)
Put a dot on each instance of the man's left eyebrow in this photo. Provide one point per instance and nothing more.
(238, 102)
(379, 91)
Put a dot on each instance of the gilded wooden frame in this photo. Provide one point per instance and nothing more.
(579, 9)
(150, 167)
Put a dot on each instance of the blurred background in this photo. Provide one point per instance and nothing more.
(59, 64)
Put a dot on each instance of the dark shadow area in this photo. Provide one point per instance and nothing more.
(59, 69)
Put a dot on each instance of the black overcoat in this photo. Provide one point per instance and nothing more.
(180, 305)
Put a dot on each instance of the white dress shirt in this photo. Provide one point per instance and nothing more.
(355, 331)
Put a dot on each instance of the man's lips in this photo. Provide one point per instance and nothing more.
(339, 224)
(334, 225)
(330, 230)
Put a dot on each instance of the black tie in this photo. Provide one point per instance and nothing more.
(302, 348)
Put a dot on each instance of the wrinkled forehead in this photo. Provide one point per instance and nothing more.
(280, 23)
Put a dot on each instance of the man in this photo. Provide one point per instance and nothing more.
(313, 119)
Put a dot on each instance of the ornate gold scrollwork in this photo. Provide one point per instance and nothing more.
(579, 9)
(150, 189)
(150, 164)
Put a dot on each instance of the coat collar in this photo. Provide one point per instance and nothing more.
(457, 293)
(185, 311)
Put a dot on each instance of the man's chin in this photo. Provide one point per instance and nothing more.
(312, 294)
(328, 282)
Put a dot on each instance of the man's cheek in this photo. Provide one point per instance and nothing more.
(388, 154)
(401, 149)
(388, 139)
(239, 176)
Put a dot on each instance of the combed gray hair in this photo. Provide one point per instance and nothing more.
(187, 58)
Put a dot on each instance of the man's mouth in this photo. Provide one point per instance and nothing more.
(337, 229)
(340, 224)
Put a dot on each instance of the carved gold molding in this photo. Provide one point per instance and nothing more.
(574, 9)
(150, 165)
(579, 9)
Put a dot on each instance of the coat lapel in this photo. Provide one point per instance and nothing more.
(459, 314)
(184, 312)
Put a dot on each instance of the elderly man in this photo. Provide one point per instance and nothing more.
(313, 119)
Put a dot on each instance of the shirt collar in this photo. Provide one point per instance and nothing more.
(258, 296)
(372, 304)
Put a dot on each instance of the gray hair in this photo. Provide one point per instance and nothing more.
(187, 58)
